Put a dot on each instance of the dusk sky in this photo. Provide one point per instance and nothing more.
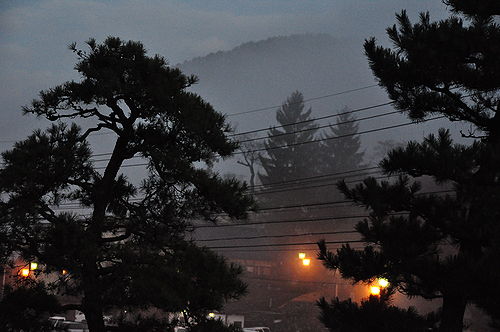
(34, 35)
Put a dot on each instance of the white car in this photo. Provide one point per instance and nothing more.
(73, 326)
(180, 329)
(256, 329)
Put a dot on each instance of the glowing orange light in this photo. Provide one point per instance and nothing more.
(382, 282)
(302, 255)
(64, 272)
(306, 261)
(25, 272)
(33, 266)
(374, 290)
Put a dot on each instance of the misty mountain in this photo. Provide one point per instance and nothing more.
(263, 73)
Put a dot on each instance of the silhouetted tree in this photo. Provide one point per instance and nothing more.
(250, 147)
(126, 251)
(429, 245)
(374, 314)
(344, 153)
(286, 157)
(436, 245)
(382, 149)
(27, 308)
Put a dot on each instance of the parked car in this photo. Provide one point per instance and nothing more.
(55, 321)
(257, 329)
(72, 326)
(180, 329)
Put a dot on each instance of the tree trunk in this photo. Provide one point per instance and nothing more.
(453, 313)
(93, 313)
(91, 302)
(92, 287)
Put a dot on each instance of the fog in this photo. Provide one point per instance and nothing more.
(249, 57)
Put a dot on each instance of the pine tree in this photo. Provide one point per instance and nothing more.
(344, 153)
(374, 314)
(129, 251)
(432, 245)
(287, 158)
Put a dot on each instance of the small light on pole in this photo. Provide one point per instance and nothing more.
(33, 266)
(306, 261)
(374, 290)
(382, 282)
(25, 272)
(302, 255)
(211, 315)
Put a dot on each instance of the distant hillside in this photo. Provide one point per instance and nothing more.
(264, 73)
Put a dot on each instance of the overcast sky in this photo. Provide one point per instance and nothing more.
(34, 34)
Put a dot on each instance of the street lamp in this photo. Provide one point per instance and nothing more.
(306, 261)
(374, 290)
(302, 255)
(25, 272)
(382, 282)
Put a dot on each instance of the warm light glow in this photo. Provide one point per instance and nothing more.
(382, 282)
(25, 272)
(306, 261)
(302, 255)
(374, 290)
(33, 266)
(211, 315)
(64, 272)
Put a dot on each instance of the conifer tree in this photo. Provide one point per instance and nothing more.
(286, 157)
(374, 314)
(129, 251)
(343, 153)
(432, 245)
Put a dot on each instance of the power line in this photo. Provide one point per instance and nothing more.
(314, 119)
(284, 207)
(340, 136)
(283, 249)
(275, 236)
(294, 123)
(315, 177)
(287, 221)
(296, 181)
(297, 281)
(253, 110)
(271, 191)
(304, 100)
(284, 244)
(314, 140)
(320, 127)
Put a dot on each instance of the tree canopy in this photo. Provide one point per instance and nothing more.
(343, 153)
(441, 244)
(287, 157)
(132, 235)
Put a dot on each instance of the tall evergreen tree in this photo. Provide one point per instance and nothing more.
(433, 245)
(428, 245)
(286, 157)
(130, 250)
(343, 153)
(374, 314)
